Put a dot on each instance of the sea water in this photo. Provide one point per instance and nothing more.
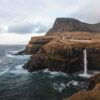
(17, 83)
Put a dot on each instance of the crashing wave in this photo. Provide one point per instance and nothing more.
(54, 73)
(18, 70)
(18, 56)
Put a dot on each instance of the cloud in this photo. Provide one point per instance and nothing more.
(3, 28)
(45, 11)
(63, 7)
(37, 16)
(42, 11)
(14, 38)
(28, 28)
(89, 12)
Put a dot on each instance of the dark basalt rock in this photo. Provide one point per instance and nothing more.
(69, 62)
(39, 62)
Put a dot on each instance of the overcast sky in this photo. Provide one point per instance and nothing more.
(21, 19)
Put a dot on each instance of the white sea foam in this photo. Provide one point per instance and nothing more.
(4, 71)
(89, 75)
(10, 56)
(18, 70)
(13, 52)
(18, 56)
(73, 83)
(59, 87)
(54, 73)
(85, 75)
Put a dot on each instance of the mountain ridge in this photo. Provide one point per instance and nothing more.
(72, 25)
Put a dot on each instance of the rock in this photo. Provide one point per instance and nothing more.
(21, 53)
(60, 56)
(86, 95)
(53, 63)
(72, 25)
(36, 63)
(93, 81)
(61, 49)
(35, 44)
(92, 94)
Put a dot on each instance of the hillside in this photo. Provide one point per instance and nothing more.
(72, 25)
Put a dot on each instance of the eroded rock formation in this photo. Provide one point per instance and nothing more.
(61, 49)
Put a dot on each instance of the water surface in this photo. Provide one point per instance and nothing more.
(18, 84)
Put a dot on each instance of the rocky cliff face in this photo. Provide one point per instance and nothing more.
(65, 57)
(36, 43)
(62, 48)
(72, 25)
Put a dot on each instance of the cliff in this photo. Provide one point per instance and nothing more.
(63, 29)
(65, 55)
(61, 49)
(35, 44)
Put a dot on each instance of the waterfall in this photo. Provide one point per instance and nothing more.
(85, 73)
(85, 62)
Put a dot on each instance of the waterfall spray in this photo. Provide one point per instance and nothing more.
(85, 73)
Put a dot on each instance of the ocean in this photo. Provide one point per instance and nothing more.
(17, 83)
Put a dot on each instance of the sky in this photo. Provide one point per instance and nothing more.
(22, 19)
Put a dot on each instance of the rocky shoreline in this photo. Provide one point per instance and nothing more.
(93, 92)
(61, 49)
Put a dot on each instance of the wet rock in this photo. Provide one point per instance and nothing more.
(92, 94)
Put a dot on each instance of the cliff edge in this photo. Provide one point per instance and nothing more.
(61, 49)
